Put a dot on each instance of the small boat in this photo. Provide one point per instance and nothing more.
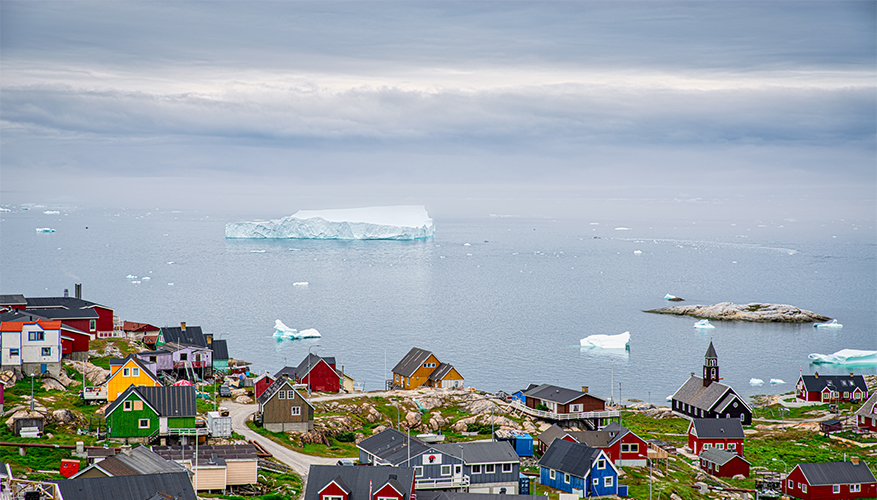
(704, 323)
(431, 438)
(830, 324)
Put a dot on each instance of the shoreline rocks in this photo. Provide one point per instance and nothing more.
(754, 311)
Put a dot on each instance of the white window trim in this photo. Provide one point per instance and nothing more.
(127, 406)
(476, 469)
(135, 372)
(507, 468)
(418, 471)
(607, 482)
(332, 497)
(855, 488)
(566, 478)
(489, 469)
(835, 488)
(126, 372)
(140, 423)
(281, 394)
(296, 410)
(446, 467)
(551, 473)
(601, 464)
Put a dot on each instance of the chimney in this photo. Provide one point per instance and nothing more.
(816, 374)
(584, 388)
(692, 374)
(66, 293)
(77, 290)
(126, 449)
(183, 326)
(854, 460)
(851, 374)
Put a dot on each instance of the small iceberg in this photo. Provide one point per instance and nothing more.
(620, 341)
(669, 297)
(282, 331)
(848, 357)
(300, 283)
(704, 323)
(777, 381)
(45, 230)
(131, 277)
(51, 212)
(309, 333)
(257, 251)
(756, 382)
(146, 278)
(637, 252)
(830, 324)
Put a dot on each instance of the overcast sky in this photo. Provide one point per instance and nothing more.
(587, 109)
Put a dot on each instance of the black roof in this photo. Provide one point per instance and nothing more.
(482, 452)
(440, 372)
(391, 446)
(307, 364)
(411, 362)
(13, 300)
(220, 349)
(168, 401)
(459, 495)
(719, 457)
(836, 472)
(69, 303)
(711, 351)
(561, 395)
(61, 313)
(718, 428)
(192, 335)
(572, 458)
(839, 383)
(224, 451)
(604, 438)
(359, 480)
(143, 487)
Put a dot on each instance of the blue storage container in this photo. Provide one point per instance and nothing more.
(524, 445)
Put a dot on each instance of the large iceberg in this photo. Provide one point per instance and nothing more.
(848, 357)
(619, 341)
(407, 222)
(282, 331)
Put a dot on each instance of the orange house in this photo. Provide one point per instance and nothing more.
(421, 368)
(127, 372)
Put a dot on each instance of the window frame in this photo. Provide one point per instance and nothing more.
(490, 468)
(126, 372)
(92, 325)
(418, 471)
(608, 482)
(446, 467)
(857, 486)
(127, 405)
(296, 410)
(551, 474)
(140, 423)
(506, 468)
(281, 394)
(601, 464)
(46, 351)
(476, 469)
(14, 351)
(135, 372)
(835, 488)
(566, 478)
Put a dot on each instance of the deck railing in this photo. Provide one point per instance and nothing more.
(192, 364)
(444, 482)
(550, 415)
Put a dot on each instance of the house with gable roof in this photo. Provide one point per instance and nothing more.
(621, 445)
(31, 347)
(831, 481)
(131, 462)
(282, 408)
(866, 415)
(421, 368)
(551, 402)
(831, 388)
(145, 413)
(721, 433)
(176, 486)
(576, 467)
(706, 397)
(723, 463)
(84, 315)
(127, 372)
(316, 372)
(183, 334)
(334, 482)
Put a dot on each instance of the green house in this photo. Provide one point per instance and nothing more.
(150, 412)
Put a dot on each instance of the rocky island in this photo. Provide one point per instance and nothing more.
(754, 311)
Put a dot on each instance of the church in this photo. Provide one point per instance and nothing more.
(707, 397)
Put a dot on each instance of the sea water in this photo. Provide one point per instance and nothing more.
(504, 300)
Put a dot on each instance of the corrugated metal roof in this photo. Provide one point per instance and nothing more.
(718, 428)
(191, 336)
(13, 300)
(145, 486)
(560, 395)
(173, 401)
(603, 438)
(225, 451)
(359, 480)
(220, 349)
(695, 394)
(550, 434)
(308, 364)
(572, 458)
(61, 302)
(440, 372)
(411, 362)
(718, 457)
(66, 313)
(838, 383)
(391, 446)
(497, 452)
(836, 472)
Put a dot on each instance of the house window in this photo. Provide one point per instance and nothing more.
(144, 423)
(791, 484)
(92, 325)
(332, 497)
(506, 467)
(296, 410)
(566, 478)
(418, 471)
(135, 372)
(14, 352)
(184, 356)
(127, 406)
(281, 394)
(634, 448)
(47, 351)
(804, 488)
(855, 488)
(732, 446)
(446, 470)
(36, 336)
(596, 482)
(835, 488)
(476, 469)
(489, 469)
(126, 372)
(576, 408)
(551, 474)
(601, 464)
(152, 359)
(607, 482)
(721, 446)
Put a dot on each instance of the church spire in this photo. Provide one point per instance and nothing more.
(710, 366)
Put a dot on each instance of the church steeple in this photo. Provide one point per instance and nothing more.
(710, 366)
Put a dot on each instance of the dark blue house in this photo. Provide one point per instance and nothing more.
(576, 467)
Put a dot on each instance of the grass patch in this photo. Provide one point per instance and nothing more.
(793, 447)
(336, 450)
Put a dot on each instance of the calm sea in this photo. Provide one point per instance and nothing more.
(505, 300)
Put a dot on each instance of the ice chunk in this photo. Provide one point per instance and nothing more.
(848, 357)
(622, 229)
(257, 251)
(756, 382)
(408, 222)
(283, 331)
(45, 230)
(131, 277)
(309, 333)
(621, 340)
(704, 323)
(637, 252)
(830, 324)
(51, 212)
(777, 381)
(669, 297)
(300, 283)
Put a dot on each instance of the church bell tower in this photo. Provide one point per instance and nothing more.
(710, 366)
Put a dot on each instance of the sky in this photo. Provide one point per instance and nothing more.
(574, 108)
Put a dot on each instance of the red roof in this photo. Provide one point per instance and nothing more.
(131, 326)
(16, 326)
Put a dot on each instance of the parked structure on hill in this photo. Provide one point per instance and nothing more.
(422, 368)
(559, 404)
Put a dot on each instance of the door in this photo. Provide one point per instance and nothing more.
(162, 426)
(458, 471)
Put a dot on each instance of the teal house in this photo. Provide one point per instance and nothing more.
(149, 413)
(220, 355)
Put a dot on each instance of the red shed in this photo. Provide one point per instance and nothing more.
(831, 481)
(317, 372)
(866, 415)
(723, 463)
(722, 433)
(74, 343)
(260, 384)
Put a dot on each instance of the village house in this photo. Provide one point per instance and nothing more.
(183, 334)
(578, 468)
(421, 368)
(707, 397)
(831, 388)
(31, 347)
(721, 433)
(143, 332)
(316, 372)
(83, 315)
(218, 466)
(866, 415)
(722, 463)
(831, 481)
(130, 462)
(551, 402)
(334, 482)
(176, 486)
(261, 383)
(220, 355)
(146, 413)
(623, 447)
(126, 372)
(282, 408)
(74, 343)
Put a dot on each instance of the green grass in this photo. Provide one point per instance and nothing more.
(289, 484)
(338, 449)
(793, 447)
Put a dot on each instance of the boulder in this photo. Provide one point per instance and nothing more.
(314, 437)
(51, 384)
(63, 415)
(413, 419)
(238, 392)
(379, 429)
(244, 400)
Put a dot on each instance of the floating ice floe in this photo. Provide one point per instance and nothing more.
(669, 297)
(300, 283)
(777, 381)
(257, 251)
(704, 323)
(847, 357)
(282, 331)
(146, 278)
(637, 252)
(45, 230)
(619, 341)
(309, 333)
(131, 277)
(756, 382)
(622, 229)
(51, 212)
(830, 324)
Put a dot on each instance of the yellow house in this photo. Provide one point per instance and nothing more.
(127, 372)
(421, 368)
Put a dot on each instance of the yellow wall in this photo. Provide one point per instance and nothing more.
(209, 478)
(421, 374)
(119, 382)
(242, 472)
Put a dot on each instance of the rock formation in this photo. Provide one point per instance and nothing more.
(754, 312)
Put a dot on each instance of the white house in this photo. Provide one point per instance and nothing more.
(31, 347)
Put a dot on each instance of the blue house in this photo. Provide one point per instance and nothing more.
(578, 468)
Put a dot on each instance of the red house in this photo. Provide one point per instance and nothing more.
(866, 415)
(623, 447)
(723, 463)
(338, 482)
(85, 316)
(721, 433)
(74, 343)
(318, 373)
(831, 388)
(260, 384)
(831, 481)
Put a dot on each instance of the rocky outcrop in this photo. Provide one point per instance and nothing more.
(754, 312)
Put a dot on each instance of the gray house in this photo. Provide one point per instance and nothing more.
(483, 467)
